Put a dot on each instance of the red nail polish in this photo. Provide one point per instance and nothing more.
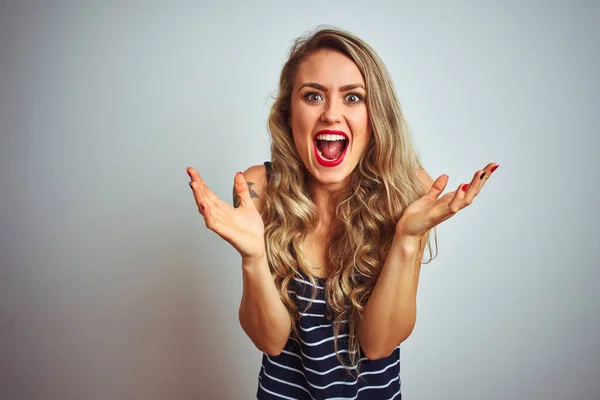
(202, 206)
(464, 187)
(494, 167)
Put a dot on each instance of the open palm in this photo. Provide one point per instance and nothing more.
(430, 210)
(242, 226)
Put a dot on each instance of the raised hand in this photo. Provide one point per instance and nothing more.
(241, 226)
(430, 210)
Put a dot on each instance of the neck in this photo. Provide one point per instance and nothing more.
(323, 198)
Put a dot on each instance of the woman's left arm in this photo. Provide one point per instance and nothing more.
(390, 314)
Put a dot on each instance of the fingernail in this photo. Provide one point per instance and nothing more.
(202, 206)
(482, 175)
(494, 167)
(239, 173)
(464, 187)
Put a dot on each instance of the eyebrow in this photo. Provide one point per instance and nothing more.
(324, 89)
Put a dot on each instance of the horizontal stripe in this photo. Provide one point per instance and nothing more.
(365, 388)
(314, 371)
(308, 283)
(275, 394)
(335, 382)
(285, 382)
(322, 341)
(312, 328)
(312, 315)
(396, 395)
(331, 398)
(315, 300)
(327, 355)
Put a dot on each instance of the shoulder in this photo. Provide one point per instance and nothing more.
(256, 176)
(425, 179)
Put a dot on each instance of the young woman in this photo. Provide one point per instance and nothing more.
(333, 229)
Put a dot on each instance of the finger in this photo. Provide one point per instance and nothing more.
(194, 175)
(447, 205)
(486, 172)
(200, 187)
(201, 193)
(209, 217)
(438, 187)
(211, 210)
(457, 202)
(476, 185)
(196, 184)
(242, 191)
(489, 169)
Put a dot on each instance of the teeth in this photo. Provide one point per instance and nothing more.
(330, 138)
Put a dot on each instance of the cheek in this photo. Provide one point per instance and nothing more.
(361, 125)
(303, 117)
(303, 122)
(300, 142)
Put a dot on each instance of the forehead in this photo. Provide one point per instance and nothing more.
(328, 68)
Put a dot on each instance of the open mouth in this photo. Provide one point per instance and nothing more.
(330, 147)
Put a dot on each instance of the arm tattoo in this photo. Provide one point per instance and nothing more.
(236, 197)
(253, 194)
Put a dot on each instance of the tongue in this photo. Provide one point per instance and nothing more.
(331, 150)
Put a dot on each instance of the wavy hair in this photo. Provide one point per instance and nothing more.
(367, 207)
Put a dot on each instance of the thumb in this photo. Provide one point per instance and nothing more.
(438, 187)
(241, 192)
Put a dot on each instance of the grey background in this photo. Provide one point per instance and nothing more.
(112, 287)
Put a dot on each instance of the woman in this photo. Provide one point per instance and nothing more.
(333, 229)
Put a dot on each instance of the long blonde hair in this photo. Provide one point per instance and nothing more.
(368, 206)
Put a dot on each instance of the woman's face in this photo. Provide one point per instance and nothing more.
(329, 119)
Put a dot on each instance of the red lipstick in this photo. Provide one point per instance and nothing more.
(330, 163)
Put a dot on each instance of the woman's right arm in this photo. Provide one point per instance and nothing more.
(262, 314)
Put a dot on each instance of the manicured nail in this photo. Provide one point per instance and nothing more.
(482, 175)
(239, 173)
(464, 187)
(494, 167)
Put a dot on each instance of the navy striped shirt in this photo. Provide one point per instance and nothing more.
(308, 367)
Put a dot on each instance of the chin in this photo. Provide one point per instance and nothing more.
(333, 177)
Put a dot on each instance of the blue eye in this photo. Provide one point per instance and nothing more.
(353, 97)
(313, 96)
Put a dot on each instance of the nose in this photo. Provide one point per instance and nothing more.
(331, 113)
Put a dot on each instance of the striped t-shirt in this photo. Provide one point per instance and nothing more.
(308, 367)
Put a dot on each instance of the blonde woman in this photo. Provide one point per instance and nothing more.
(333, 229)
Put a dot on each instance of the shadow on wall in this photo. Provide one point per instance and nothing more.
(194, 301)
(135, 306)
